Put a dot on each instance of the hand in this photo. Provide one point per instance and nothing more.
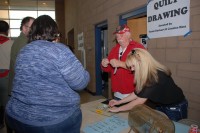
(114, 109)
(113, 103)
(115, 63)
(105, 62)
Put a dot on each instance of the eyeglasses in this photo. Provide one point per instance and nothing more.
(136, 55)
(122, 29)
(133, 52)
(119, 28)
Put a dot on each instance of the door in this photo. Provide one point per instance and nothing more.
(137, 26)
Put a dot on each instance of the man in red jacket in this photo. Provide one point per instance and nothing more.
(122, 79)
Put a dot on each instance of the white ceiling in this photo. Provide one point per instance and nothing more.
(28, 4)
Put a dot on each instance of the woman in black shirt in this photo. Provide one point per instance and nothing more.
(154, 87)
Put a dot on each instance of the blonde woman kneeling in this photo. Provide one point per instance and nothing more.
(154, 87)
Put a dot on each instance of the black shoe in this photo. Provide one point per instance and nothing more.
(1, 126)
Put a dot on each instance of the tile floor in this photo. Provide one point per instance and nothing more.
(85, 97)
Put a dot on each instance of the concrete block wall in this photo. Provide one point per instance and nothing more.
(180, 54)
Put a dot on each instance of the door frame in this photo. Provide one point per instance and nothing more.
(98, 55)
(132, 14)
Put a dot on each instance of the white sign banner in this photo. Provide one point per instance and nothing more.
(168, 18)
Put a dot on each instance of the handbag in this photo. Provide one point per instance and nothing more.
(143, 119)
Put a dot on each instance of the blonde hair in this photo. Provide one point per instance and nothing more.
(145, 68)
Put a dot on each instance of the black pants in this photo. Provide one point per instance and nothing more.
(2, 119)
(2, 113)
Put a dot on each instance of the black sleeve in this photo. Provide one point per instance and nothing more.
(151, 93)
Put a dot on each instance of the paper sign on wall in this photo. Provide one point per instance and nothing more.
(80, 41)
(82, 49)
(168, 18)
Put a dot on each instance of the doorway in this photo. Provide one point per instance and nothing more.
(136, 21)
(101, 51)
(70, 41)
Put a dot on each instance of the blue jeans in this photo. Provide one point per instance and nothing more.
(175, 112)
(70, 125)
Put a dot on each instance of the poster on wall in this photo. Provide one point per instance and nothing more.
(81, 49)
(144, 39)
(80, 41)
(167, 18)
